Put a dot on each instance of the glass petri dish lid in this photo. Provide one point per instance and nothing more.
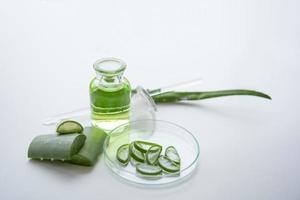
(157, 131)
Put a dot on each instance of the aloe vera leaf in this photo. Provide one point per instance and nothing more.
(123, 154)
(172, 154)
(168, 165)
(135, 153)
(69, 126)
(92, 147)
(153, 154)
(181, 96)
(144, 146)
(54, 147)
(148, 170)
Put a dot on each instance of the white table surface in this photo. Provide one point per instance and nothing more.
(249, 146)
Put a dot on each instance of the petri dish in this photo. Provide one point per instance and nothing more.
(157, 131)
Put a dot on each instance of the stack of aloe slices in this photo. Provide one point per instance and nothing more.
(72, 143)
(148, 159)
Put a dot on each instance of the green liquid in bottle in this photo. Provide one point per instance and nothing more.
(109, 96)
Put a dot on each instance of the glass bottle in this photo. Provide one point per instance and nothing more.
(109, 94)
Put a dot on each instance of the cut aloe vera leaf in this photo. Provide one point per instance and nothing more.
(153, 154)
(92, 147)
(168, 165)
(148, 170)
(172, 154)
(123, 154)
(136, 154)
(54, 147)
(144, 146)
(133, 162)
(69, 126)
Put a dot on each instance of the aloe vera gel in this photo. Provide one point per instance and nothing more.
(109, 94)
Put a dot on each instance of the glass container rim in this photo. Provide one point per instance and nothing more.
(98, 68)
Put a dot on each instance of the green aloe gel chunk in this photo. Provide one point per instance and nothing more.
(148, 170)
(168, 165)
(147, 159)
(133, 162)
(144, 146)
(69, 126)
(123, 154)
(55, 147)
(136, 154)
(92, 147)
(153, 154)
(172, 154)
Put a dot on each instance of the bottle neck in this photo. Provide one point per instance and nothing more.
(109, 72)
(109, 80)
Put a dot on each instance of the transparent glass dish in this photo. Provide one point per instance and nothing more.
(157, 131)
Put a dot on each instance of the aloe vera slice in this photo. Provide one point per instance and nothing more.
(133, 162)
(153, 154)
(92, 147)
(172, 154)
(148, 170)
(168, 165)
(144, 146)
(123, 154)
(54, 147)
(69, 126)
(136, 154)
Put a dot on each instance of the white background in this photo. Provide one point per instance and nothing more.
(249, 146)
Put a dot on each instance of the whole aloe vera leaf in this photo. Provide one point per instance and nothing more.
(183, 96)
(55, 147)
(92, 147)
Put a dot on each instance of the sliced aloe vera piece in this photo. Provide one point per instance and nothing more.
(123, 154)
(172, 154)
(153, 154)
(69, 126)
(92, 147)
(133, 162)
(136, 154)
(168, 165)
(148, 170)
(144, 146)
(54, 147)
